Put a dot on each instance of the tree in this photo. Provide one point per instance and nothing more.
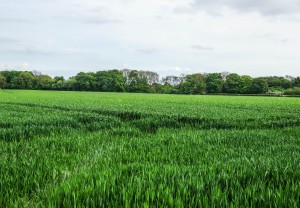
(278, 82)
(135, 83)
(172, 80)
(2, 81)
(199, 83)
(233, 83)
(57, 79)
(293, 91)
(36, 73)
(85, 81)
(9, 77)
(167, 89)
(193, 84)
(70, 84)
(125, 73)
(58, 83)
(214, 83)
(140, 81)
(156, 88)
(151, 77)
(224, 75)
(246, 83)
(289, 77)
(186, 87)
(43, 82)
(118, 81)
(259, 86)
(23, 81)
(296, 82)
(110, 81)
(148, 82)
(285, 83)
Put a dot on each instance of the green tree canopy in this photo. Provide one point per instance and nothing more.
(58, 78)
(10, 76)
(193, 84)
(148, 82)
(110, 81)
(135, 83)
(246, 83)
(296, 82)
(43, 82)
(278, 82)
(259, 86)
(85, 81)
(233, 83)
(2, 81)
(214, 83)
(24, 80)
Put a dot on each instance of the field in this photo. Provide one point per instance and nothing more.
(78, 149)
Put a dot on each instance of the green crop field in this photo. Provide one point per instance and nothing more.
(79, 149)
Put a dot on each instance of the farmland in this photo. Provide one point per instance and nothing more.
(85, 149)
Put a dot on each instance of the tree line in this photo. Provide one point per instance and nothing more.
(149, 82)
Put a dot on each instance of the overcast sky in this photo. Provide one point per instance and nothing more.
(64, 37)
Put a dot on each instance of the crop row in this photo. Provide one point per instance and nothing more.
(66, 149)
(32, 121)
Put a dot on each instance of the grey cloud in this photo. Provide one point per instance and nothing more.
(147, 50)
(34, 51)
(264, 7)
(284, 40)
(101, 21)
(87, 14)
(14, 20)
(159, 17)
(200, 47)
(8, 40)
(184, 9)
(99, 9)
(86, 17)
(270, 36)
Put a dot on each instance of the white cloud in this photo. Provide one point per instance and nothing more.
(180, 70)
(264, 7)
(67, 36)
(147, 50)
(19, 67)
(200, 47)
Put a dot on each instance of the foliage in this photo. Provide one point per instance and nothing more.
(259, 86)
(296, 82)
(24, 80)
(233, 84)
(85, 81)
(246, 82)
(10, 76)
(214, 83)
(43, 82)
(293, 91)
(193, 84)
(136, 83)
(2, 81)
(110, 81)
(167, 89)
(148, 82)
(279, 82)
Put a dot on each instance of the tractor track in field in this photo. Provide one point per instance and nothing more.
(150, 123)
